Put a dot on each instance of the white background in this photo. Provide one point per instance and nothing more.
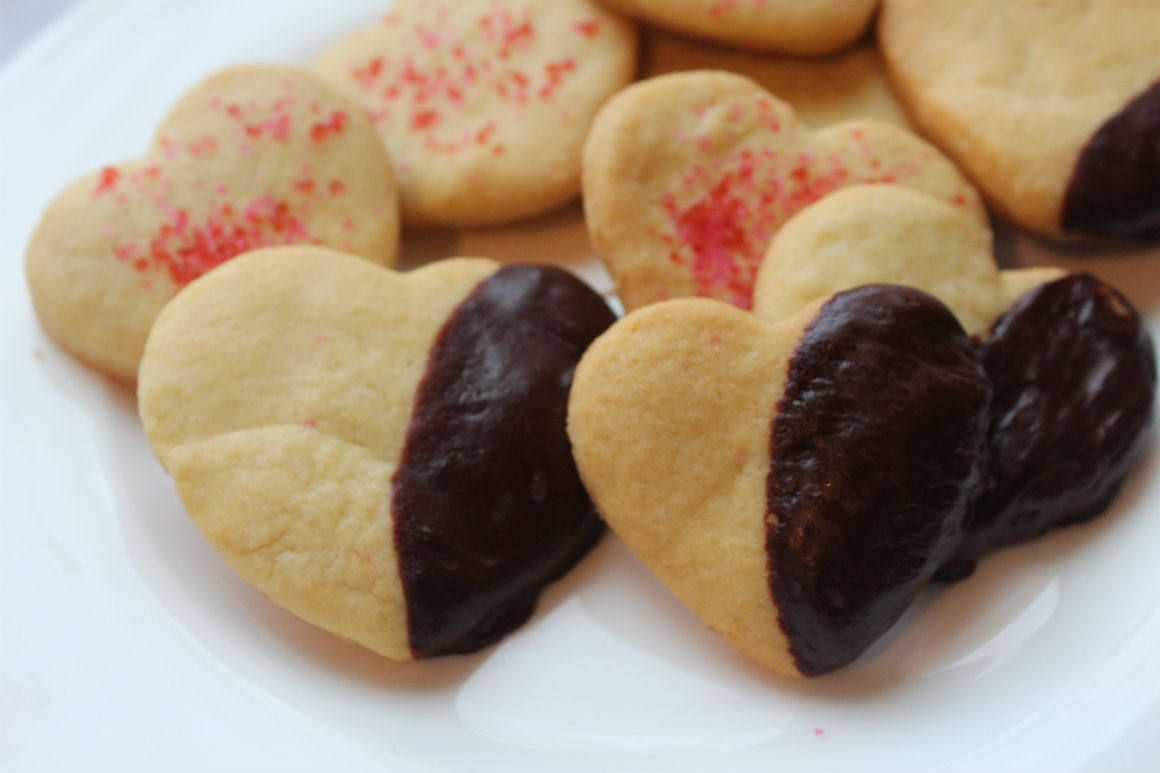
(127, 644)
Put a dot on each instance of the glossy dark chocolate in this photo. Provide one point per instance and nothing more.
(1074, 378)
(1115, 186)
(875, 457)
(487, 502)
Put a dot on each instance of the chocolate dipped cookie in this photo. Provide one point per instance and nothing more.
(1052, 108)
(1070, 361)
(384, 455)
(794, 484)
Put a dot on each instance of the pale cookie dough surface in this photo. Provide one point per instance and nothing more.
(277, 392)
(731, 455)
(790, 26)
(484, 105)
(687, 177)
(821, 90)
(254, 156)
(886, 234)
(1015, 90)
(704, 538)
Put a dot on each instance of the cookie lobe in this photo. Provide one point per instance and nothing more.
(480, 532)
(874, 462)
(1074, 377)
(1114, 189)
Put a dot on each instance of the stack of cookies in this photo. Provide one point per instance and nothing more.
(823, 395)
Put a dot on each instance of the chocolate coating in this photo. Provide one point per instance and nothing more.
(488, 506)
(875, 459)
(1115, 186)
(1074, 379)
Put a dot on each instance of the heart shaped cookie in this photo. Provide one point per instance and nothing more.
(254, 156)
(484, 104)
(797, 484)
(1070, 361)
(688, 176)
(1052, 108)
(383, 454)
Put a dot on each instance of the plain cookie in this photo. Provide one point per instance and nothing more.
(254, 156)
(383, 454)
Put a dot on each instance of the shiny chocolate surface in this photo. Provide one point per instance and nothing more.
(875, 459)
(1074, 378)
(487, 502)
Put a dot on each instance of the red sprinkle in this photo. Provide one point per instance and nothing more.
(425, 119)
(484, 134)
(109, 177)
(723, 251)
(335, 125)
(424, 97)
(187, 250)
(587, 28)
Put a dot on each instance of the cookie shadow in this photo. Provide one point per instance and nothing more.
(951, 632)
(940, 634)
(1132, 267)
(557, 237)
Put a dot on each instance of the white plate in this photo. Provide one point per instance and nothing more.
(127, 644)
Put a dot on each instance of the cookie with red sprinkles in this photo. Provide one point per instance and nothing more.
(687, 178)
(254, 156)
(484, 104)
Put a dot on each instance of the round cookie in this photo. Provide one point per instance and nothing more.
(383, 454)
(821, 90)
(484, 104)
(794, 484)
(1070, 362)
(1053, 108)
(688, 176)
(254, 156)
(790, 26)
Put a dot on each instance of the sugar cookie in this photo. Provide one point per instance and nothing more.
(688, 176)
(1053, 108)
(383, 454)
(254, 156)
(484, 104)
(794, 484)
